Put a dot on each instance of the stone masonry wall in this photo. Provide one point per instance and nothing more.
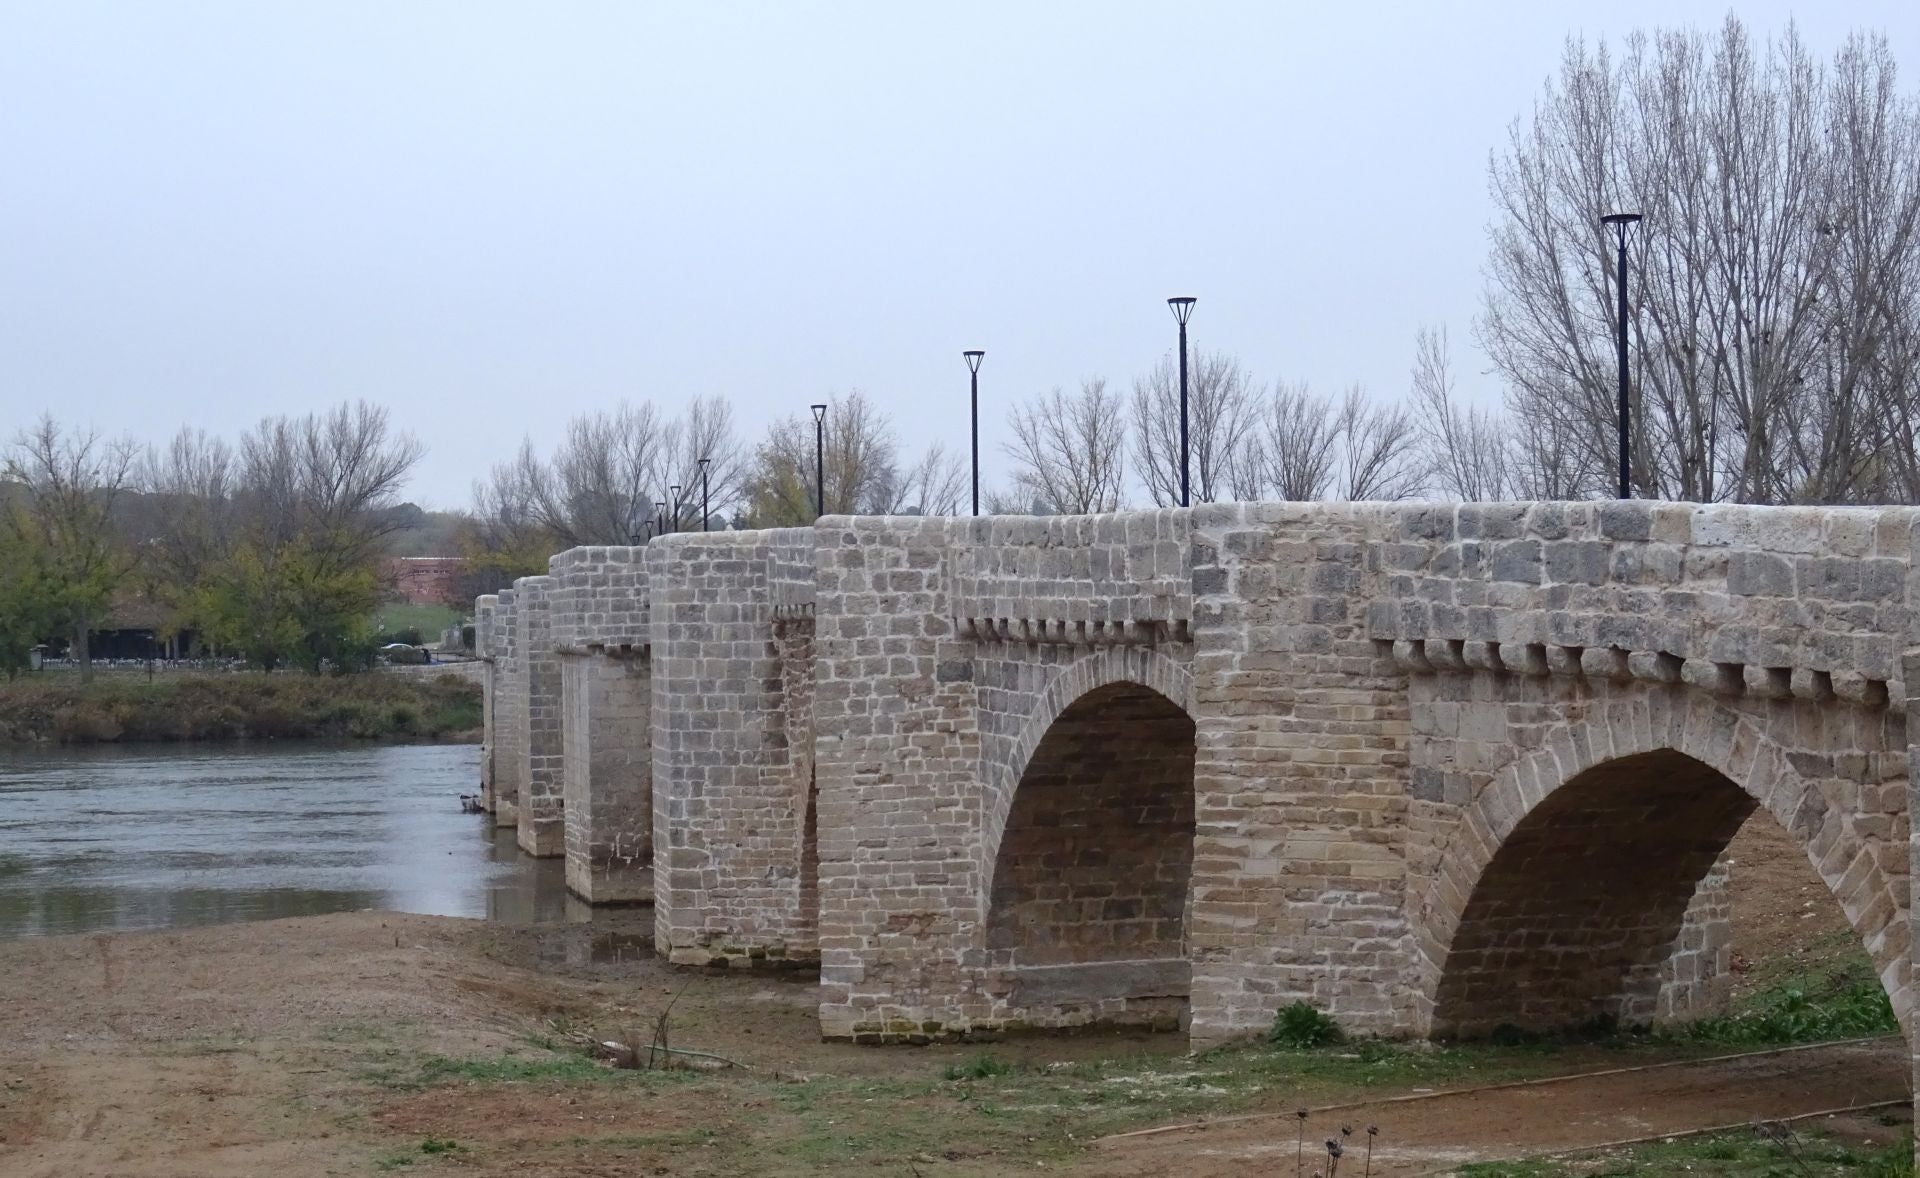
(945, 650)
(600, 622)
(608, 777)
(729, 818)
(1696, 980)
(1541, 640)
(484, 640)
(542, 820)
(509, 710)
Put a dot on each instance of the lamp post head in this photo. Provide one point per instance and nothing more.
(1182, 308)
(1621, 222)
(704, 463)
(819, 413)
(973, 359)
(675, 489)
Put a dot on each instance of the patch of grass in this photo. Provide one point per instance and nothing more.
(1750, 1153)
(428, 619)
(980, 1067)
(182, 705)
(1829, 993)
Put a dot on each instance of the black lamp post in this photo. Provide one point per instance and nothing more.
(673, 515)
(704, 464)
(660, 517)
(1621, 222)
(1183, 310)
(973, 359)
(819, 461)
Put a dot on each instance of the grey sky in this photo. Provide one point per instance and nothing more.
(490, 217)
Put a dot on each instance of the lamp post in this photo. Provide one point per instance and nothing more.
(973, 359)
(673, 516)
(819, 461)
(1183, 310)
(704, 464)
(1621, 222)
(660, 517)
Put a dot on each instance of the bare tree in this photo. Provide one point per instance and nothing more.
(617, 478)
(327, 480)
(187, 517)
(859, 456)
(1299, 443)
(1777, 289)
(935, 485)
(1068, 451)
(1378, 447)
(1221, 414)
(70, 487)
(1468, 451)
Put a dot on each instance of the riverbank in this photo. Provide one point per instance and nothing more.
(126, 706)
(369, 1042)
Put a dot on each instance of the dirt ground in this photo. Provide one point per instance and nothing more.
(371, 1042)
(1781, 909)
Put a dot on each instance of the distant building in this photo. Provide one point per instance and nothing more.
(425, 580)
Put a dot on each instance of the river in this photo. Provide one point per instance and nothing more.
(163, 836)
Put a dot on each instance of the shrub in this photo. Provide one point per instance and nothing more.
(980, 1067)
(1300, 1025)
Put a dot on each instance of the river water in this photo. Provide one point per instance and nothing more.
(160, 836)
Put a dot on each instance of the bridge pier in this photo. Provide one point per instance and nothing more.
(484, 609)
(509, 711)
(731, 707)
(599, 619)
(540, 821)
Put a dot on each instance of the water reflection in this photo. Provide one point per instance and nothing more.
(162, 836)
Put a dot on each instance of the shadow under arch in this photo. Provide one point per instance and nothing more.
(1086, 914)
(1567, 881)
(1003, 769)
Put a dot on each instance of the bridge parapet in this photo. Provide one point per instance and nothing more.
(1775, 602)
(599, 599)
(1077, 580)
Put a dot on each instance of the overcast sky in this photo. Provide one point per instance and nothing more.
(490, 217)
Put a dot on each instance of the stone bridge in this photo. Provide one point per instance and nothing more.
(1429, 768)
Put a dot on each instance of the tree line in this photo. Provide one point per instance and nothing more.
(269, 547)
(1774, 313)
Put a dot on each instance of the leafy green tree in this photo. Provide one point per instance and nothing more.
(30, 605)
(70, 484)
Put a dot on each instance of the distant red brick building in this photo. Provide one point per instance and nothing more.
(425, 580)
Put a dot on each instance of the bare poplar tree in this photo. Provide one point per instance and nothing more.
(1468, 452)
(1776, 289)
(1221, 414)
(1068, 451)
(70, 486)
(935, 485)
(612, 480)
(1378, 449)
(1299, 443)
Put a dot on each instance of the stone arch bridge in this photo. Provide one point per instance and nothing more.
(1430, 768)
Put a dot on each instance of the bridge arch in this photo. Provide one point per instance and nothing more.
(1084, 911)
(1003, 768)
(1565, 881)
